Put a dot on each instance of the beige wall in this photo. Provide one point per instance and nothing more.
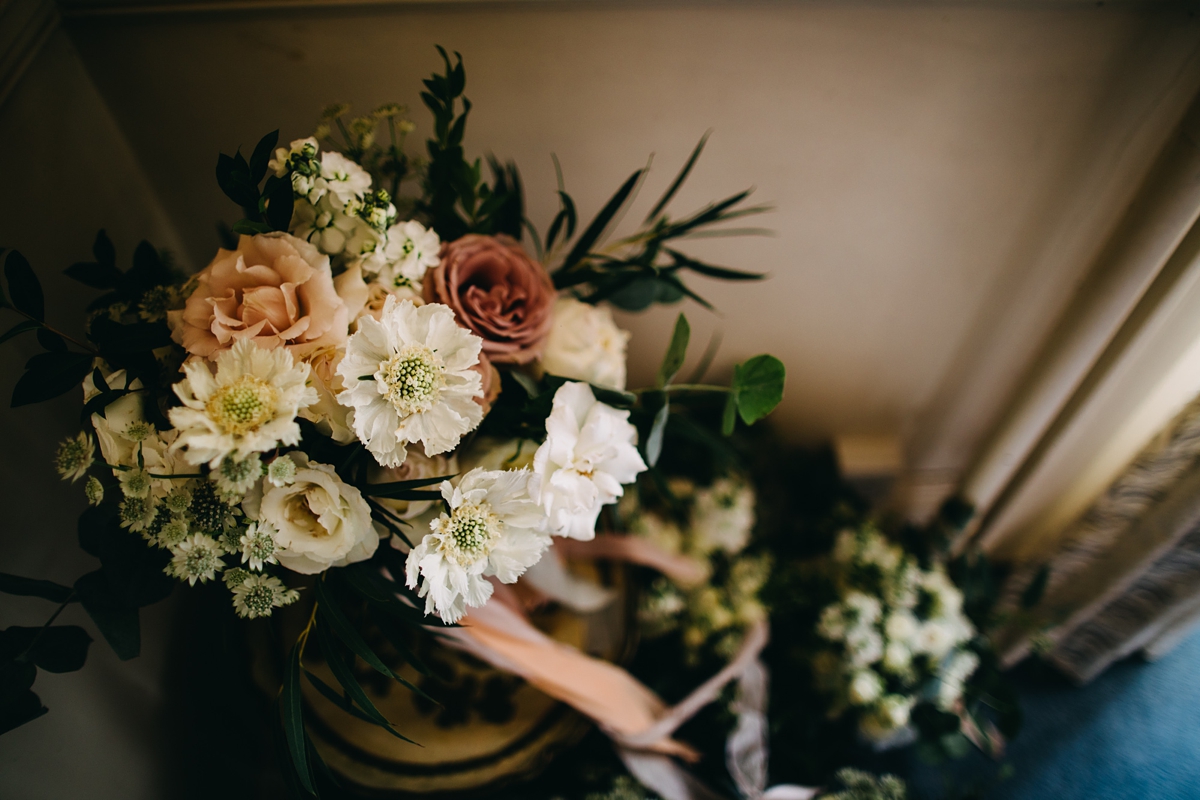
(943, 174)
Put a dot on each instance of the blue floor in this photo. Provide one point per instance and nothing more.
(1131, 734)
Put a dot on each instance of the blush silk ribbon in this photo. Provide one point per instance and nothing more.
(637, 720)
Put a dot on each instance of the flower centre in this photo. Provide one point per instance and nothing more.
(243, 405)
(412, 379)
(470, 532)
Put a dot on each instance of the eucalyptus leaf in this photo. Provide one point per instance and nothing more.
(292, 714)
(676, 352)
(34, 587)
(24, 289)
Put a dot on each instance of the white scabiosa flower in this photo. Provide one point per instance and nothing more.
(196, 558)
(585, 344)
(258, 595)
(865, 687)
(236, 477)
(589, 452)
(258, 545)
(409, 378)
(411, 250)
(75, 456)
(248, 407)
(492, 529)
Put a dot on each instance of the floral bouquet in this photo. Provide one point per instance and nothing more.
(896, 637)
(378, 400)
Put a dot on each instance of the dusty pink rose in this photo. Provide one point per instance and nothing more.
(498, 292)
(275, 289)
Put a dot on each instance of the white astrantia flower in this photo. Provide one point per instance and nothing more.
(234, 577)
(411, 249)
(318, 520)
(258, 545)
(409, 378)
(196, 558)
(585, 344)
(75, 456)
(589, 452)
(178, 500)
(248, 407)
(492, 529)
(93, 490)
(136, 513)
(281, 471)
(258, 595)
(235, 477)
(172, 533)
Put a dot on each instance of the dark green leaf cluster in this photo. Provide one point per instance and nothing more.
(264, 209)
(116, 333)
(645, 268)
(456, 201)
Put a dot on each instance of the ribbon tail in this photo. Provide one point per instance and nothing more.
(664, 777)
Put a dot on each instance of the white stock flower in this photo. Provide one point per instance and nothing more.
(589, 452)
(865, 688)
(324, 223)
(342, 177)
(491, 530)
(723, 516)
(319, 522)
(901, 626)
(258, 595)
(409, 378)
(935, 638)
(249, 406)
(585, 344)
(411, 249)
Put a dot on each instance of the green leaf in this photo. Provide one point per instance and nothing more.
(18, 705)
(1037, 587)
(713, 272)
(19, 328)
(51, 341)
(654, 442)
(676, 352)
(281, 201)
(293, 719)
(250, 228)
(103, 250)
(345, 677)
(527, 383)
(596, 228)
(118, 622)
(262, 156)
(24, 289)
(680, 178)
(396, 493)
(94, 274)
(613, 397)
(758, 387)
(62, 648)
(34, 587)
(47, 375)
(328, 608)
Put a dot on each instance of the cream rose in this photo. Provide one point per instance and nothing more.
(586, 345)
(275, 289)
(321, 521)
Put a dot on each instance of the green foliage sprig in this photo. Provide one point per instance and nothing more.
(266, 209)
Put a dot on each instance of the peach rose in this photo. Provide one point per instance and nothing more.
(275, 289)
(496, 291)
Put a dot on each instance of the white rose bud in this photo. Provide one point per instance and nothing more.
(586, 345)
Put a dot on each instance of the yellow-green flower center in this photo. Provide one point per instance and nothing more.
(243, 405)
(412, 379)
(470, 532)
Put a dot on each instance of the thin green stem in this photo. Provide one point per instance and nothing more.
(686, 387)
(49, 622)
(70, 339)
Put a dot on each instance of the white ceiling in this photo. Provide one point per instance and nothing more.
(943, 173)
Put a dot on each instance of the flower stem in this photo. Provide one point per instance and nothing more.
(70, 599)
(70, 339)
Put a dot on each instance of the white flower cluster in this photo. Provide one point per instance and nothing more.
(337, 210)
(898, 632)
(713, 527)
